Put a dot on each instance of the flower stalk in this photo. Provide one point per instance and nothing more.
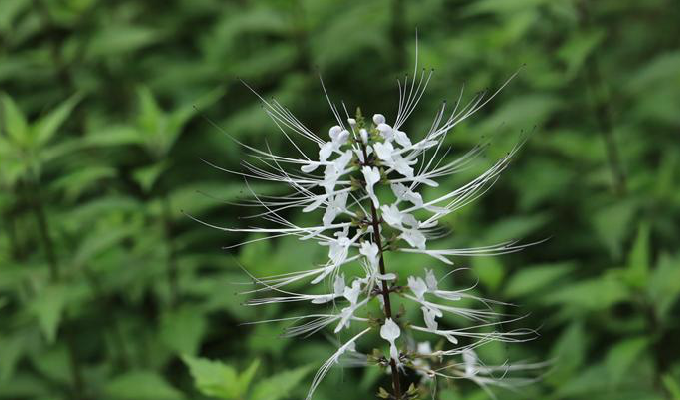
(375, 222)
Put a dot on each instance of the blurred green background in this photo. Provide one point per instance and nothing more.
(108, 291)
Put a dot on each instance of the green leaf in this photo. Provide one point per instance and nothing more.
(147, 176)
(577, 49)
(178, 118)
(247, 376)
(532, 279)
(120, 38)
(150, 114)
(13, 120)
(11, 350)
(279, 386)
(664, 285)
(569, 352)
(75, 183)
(672, 386)
(612, 223)
(623, 355)
(182, 330)
(213, 378)
(48, 307)
(589, 295)
(637, 270)
(46, 126)
(141, 385)
(489, 270)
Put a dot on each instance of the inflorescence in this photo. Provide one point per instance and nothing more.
(366, 180)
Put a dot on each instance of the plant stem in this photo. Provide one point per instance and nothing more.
(602, 110)
(385, 294)
(43, 230)
(385, 290)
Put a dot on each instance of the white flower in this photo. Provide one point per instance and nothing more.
(338, 248)
(390, 332)
(351, 293)
(401, 138)
(430, 280)
(384, 151)
(386, 132)
(363, 134)
(378, 119)
(372, 176)
(414, 238)
(429, 315)
(470, 361)
(336, 205)
(417, 286)
(370, 251)
(338, 290)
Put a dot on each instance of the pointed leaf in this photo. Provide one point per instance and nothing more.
(141, 385)
(46, 126)
(637, 271)
(48, 307)
(279, 386)
(13, 120)
(183, 329)
(213, 378)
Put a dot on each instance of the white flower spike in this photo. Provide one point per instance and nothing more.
(361, 222)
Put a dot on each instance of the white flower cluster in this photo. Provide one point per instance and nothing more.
(366, 179)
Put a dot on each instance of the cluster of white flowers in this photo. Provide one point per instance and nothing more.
(366, 179)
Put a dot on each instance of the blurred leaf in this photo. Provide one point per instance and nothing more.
(47, 125)
(13, 120)
(589, 380)
(48, 307)
(54, 363)
(489, 270)
(183, 329)
(664, 285)
(612, 224)
(637, 270)
(75, 183)
(589, 295)
(578, 47)
(279, 386)
(120, 38)
(672, 386)
(100, 241)
(517, 227)
(623, 355)
(9, 10)
(529, 280)
(178, 118)
(11, 350)
(213, 378)
(501, 6)
(141, 385)
(147, 176)
(247, 376)
(660, 70)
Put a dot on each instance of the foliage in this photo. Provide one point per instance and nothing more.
(108, 108)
